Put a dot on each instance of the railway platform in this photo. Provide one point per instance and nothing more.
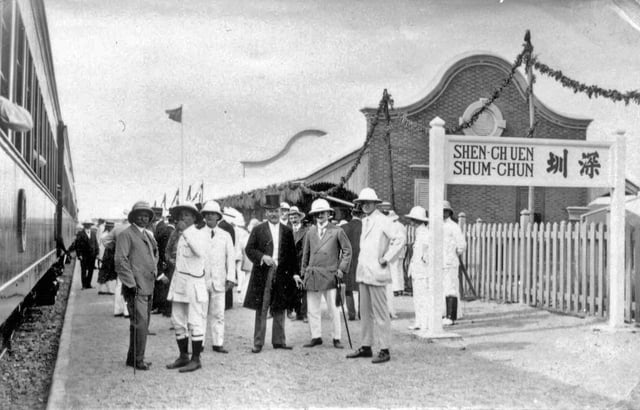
(510, 356)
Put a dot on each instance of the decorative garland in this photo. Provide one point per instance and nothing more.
(590, 90)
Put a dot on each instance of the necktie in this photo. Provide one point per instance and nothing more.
(322, 232)
(212, 233)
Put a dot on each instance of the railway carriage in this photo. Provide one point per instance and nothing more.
(38, 202)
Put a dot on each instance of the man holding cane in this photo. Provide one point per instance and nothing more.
(136, 261)
(326, 256)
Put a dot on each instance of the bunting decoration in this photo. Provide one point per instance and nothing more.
(175, 114)
(176, 198)
(163, 204)
(188, 198)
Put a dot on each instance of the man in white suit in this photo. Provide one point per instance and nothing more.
(220, 272)
(325, 258)
(380, 242)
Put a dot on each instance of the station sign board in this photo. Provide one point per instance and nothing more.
(473, 160)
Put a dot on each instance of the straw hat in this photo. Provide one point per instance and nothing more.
(295, 210)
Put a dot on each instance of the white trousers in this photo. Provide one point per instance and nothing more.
(107, 286)
(119, 305)
(189, 319)
(389, 292)
(397, 274)
(245, 284)
(420, 291)
(314, 301)
(215, 318)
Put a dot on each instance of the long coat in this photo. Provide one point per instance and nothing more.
(298, 238)
(86, 247)
(352, 229)
(379, 240)
(284, 290)
(322, 257)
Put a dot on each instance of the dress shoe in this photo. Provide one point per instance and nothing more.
(337, 344)
(140, 365)
(447, 322)
(181, 361)
(383, 356)
(256, 349)
(291, 315)
(281, 346)
(361, 352)
(118, 315)
(130, 363)
(194, 364)
(413, 327)
(314, 342)
(220, 349)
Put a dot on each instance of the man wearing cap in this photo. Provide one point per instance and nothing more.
(274, 276)
(136, 261)
(188, 288)
(379, 244)
(326, 256)
(299, 232)
(453, 244)
(418, 266)
(353, 230)
(284, 213)
(220, 271)
(87, 249)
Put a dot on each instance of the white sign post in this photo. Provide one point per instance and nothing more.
(471, 160)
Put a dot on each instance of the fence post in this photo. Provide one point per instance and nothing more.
(525, 217)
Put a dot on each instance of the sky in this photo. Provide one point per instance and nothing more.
(250, 75)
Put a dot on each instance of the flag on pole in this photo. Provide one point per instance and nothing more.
(154, 203)
(163, 204)
(176, 198)
(188, 194)
(200, 193)
(175, 114)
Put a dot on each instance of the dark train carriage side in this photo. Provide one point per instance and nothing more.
(36, 174)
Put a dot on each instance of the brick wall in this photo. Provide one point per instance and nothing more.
(463, 86)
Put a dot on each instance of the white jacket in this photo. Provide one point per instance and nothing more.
(419, 265)
(379, 239)
(453, 243)
(219, 258)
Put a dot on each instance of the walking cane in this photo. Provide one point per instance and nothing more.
(339, 284)
(135, 325)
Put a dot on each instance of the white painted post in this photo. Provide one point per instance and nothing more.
(435, 297)
(616, 238)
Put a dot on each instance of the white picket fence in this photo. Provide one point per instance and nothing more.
(561, 267)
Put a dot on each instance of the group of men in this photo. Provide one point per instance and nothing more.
(293, 268)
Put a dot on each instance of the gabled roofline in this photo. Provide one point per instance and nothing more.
(466, 60)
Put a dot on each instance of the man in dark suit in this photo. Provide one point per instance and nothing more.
(86, 247)
(161, 232)
(353, 229)
(136, 265)
(274, 277)
(299, 232)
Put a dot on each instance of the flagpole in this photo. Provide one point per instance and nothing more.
(181, 154)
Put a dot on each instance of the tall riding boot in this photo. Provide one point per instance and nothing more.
(454, 308)
(183, 360)
(194, 364)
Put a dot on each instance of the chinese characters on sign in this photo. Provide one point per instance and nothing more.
(533, 162)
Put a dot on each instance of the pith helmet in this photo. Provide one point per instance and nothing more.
(418, 213)
(446, 205)
(284, 205)
(186, 207)
(367, 195)
(87, 222)
(211, 207)
(140, 206)
(320, 205)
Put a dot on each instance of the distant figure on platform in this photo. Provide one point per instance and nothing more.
(326, 256)
(454, 245)
(274, 277)
(87, 249)
(379, 244)
(220, 272)
(419, 265)
(353, 230)
(299, 232)
(107, 273)
(188, 289)
(136, 264)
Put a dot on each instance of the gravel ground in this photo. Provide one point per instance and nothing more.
(27, 370)
(511, 356)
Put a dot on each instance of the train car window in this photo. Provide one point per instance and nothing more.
(22, 221)
(5, 54)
